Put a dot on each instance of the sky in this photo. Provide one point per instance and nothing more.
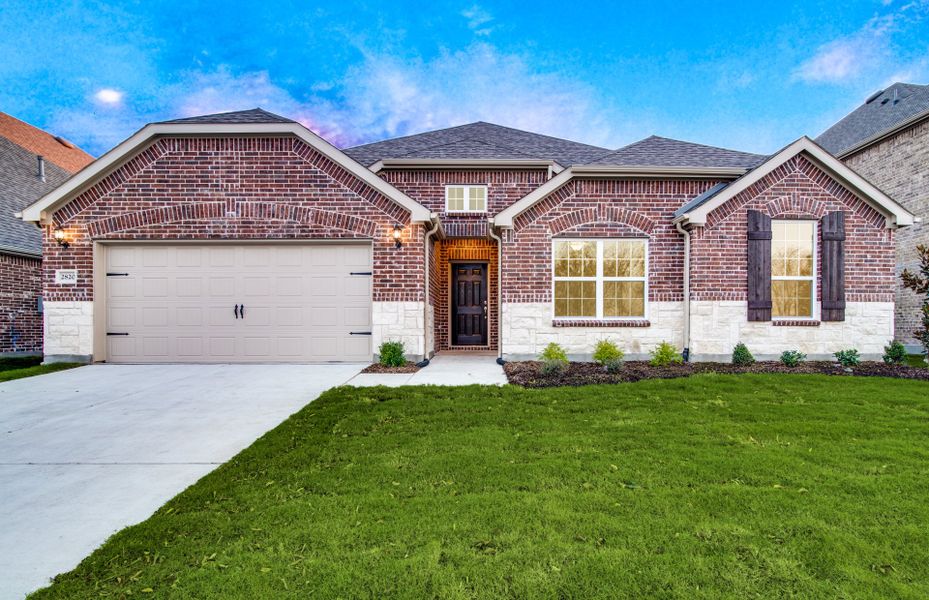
(752, 76)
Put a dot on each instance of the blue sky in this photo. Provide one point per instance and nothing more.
(747, 75)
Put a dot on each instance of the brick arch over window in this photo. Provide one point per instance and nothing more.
(602, 216)
(211, 211)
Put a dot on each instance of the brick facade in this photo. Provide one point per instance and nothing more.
(274, 188)
(449, 252)
(899, 166)
(20, 319)
(795, 190)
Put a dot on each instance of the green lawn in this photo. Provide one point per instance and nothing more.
(738, 486)
(17, 368)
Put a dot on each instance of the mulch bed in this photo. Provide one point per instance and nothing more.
(529, 373)
(409, 367)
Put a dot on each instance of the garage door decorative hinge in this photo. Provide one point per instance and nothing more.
(361, 273)
(117, 274)
(116, 333)
(359, 333)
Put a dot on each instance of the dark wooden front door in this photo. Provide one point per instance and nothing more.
(469, 304)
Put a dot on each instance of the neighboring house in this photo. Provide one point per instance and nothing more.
(886, 139)
(244, 237)
(32, 163)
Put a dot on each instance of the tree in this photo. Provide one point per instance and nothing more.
(919, 283)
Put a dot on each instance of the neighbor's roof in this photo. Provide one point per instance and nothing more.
(254, 115)
(55, 149)
(477, 141)
(20, 186)
(657, 151)
(883, 113)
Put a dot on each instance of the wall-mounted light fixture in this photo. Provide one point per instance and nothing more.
(61, 236)
(398, 235)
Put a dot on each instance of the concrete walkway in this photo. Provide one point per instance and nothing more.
(87, 452)
(444, 369)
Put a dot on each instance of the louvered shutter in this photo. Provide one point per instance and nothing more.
(759, 266)
(833, 267)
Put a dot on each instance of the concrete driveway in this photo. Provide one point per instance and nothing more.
(86, 452)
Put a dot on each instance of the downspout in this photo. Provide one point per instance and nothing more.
(490, 231)
(686, 235)
(435, 227)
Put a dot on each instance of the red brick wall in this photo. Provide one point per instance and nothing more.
(235, 188)
(599, 208)
(20, 288)
(797, 189)
(462, 250)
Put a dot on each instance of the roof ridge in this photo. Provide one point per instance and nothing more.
(410, 135)
(545, 135)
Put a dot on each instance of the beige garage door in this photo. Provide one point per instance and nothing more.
(238, 303)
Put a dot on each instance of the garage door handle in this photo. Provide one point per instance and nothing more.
(235, 311)
(359, 333)
(242, 310)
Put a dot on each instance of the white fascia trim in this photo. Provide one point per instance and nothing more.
(505, 218)
(44, 209)
(896, 215)
(463, 163)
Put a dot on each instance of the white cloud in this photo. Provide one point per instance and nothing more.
(478, 20)
(109, 96)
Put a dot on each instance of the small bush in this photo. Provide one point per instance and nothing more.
(554, 352)
(392, 354)
(665, 354)
(792, 358)
(614, 365)
(741, 356)
(895, 353)
(553, 367)
(606, 352)
(848, 358)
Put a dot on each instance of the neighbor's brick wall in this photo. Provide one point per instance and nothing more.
(899, 166)
(599, 208)
(268, 188)
(464, 250)
(796, 189)
(20, 320)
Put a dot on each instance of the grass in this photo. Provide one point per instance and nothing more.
(715, 486)
(17, 368)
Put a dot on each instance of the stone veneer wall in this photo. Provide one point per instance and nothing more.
(399, 322)
(69, 331)
(899, 166)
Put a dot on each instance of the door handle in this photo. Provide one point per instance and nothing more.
(242, 310)
(235, 311)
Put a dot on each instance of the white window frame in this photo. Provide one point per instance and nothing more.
(814, 306)
(600, 279)
(467, 199)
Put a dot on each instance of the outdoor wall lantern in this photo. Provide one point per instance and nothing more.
(61, 236)
(398, 234)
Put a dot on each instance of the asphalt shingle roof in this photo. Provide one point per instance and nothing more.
(882, 112)
(254, 115)
(657, 151)
(478, 141)
(20, 186)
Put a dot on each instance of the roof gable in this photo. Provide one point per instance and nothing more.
(470, 136)
(881, 114)
(54, 149)
(696, 211)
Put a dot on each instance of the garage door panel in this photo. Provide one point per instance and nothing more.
(176, 303)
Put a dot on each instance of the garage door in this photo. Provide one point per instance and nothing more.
(238, 303)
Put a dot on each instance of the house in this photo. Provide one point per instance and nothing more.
(32, 163)
(886, 140)
(245, 237)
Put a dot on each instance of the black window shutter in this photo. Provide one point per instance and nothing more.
(833, 268)
(759, 266)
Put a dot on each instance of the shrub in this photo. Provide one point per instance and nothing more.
(895, 353)
(792, 358)
(920, 284)
(392, 354)
(553, 368)
(614, 365)
(607, 352)
(741, 356)
(665, 354)
(848, 358)
(554, 352)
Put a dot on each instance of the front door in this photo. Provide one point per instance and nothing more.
(469, 304)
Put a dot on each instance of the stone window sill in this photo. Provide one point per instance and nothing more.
(795, 323)
(600, 323)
